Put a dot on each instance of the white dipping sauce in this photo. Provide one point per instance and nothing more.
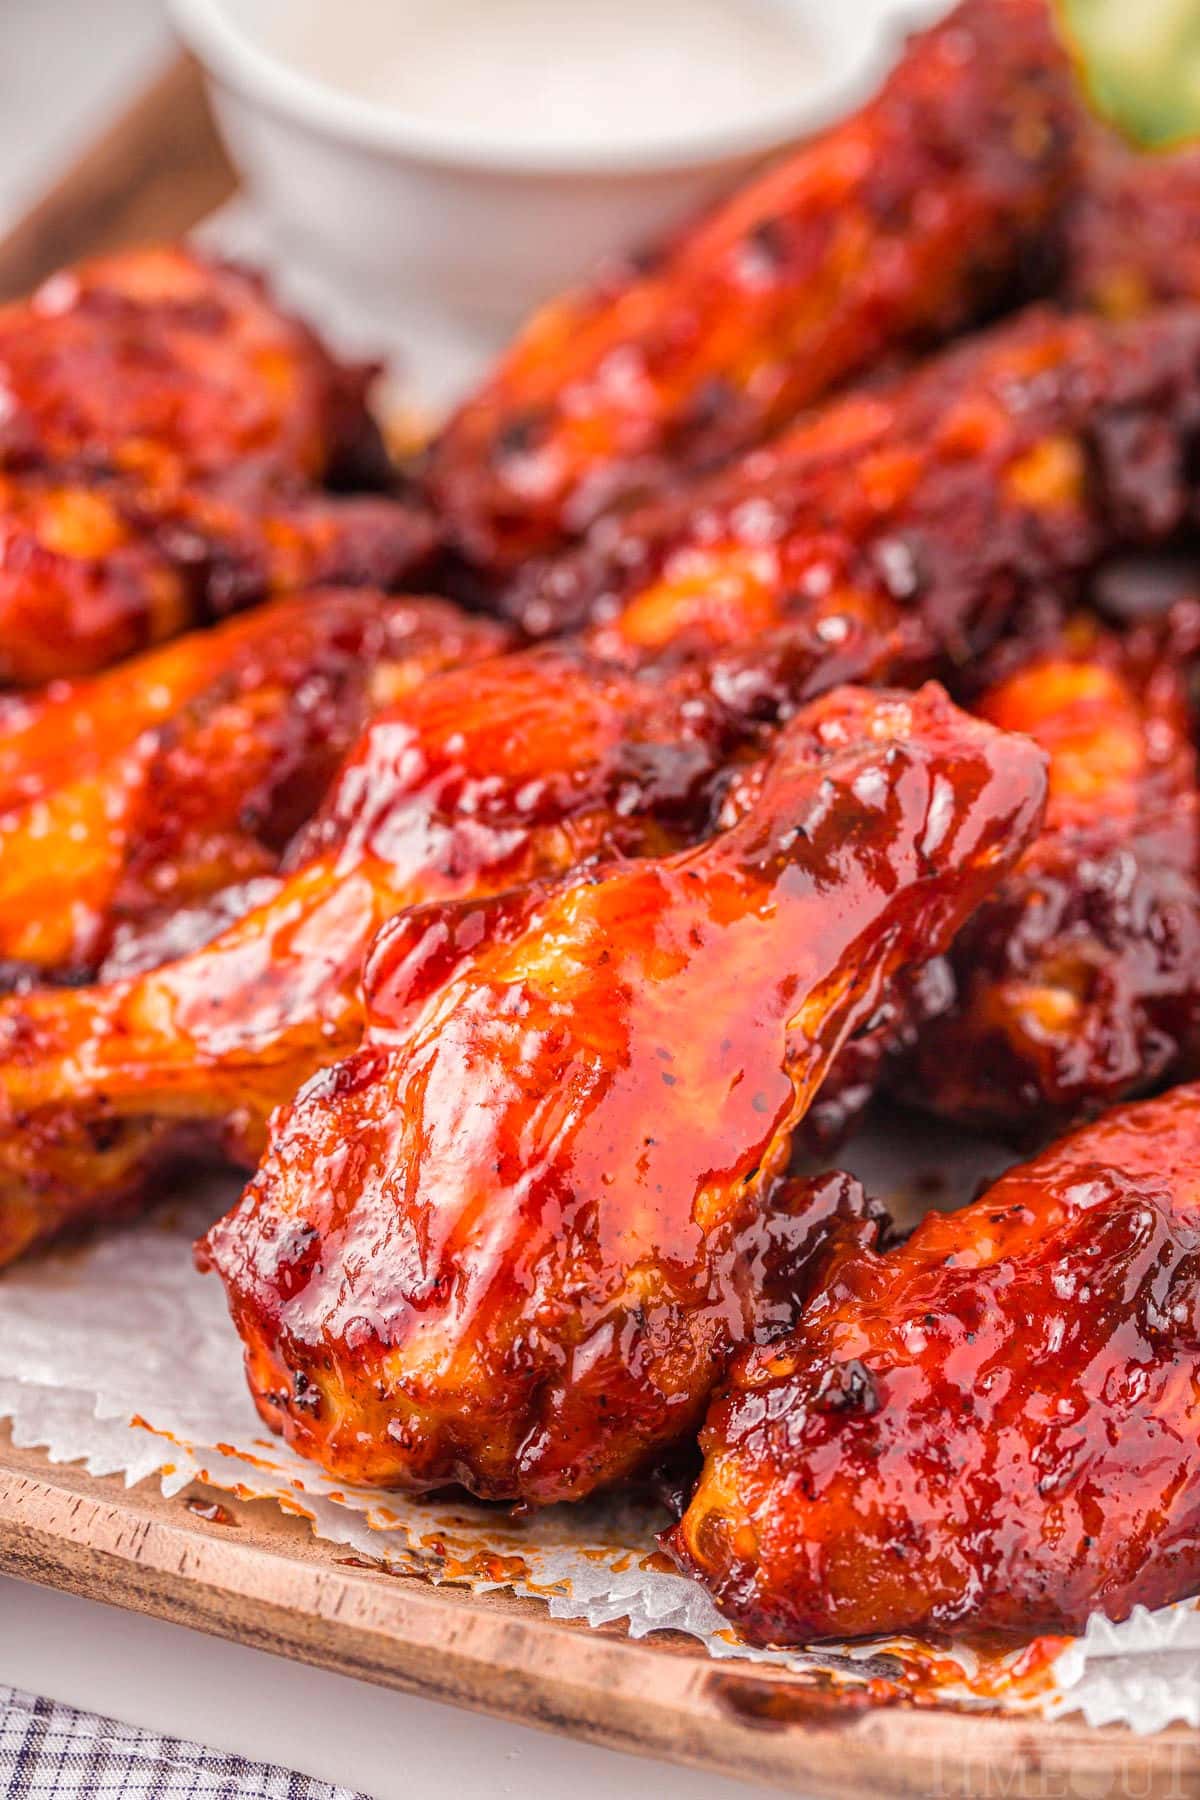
(558, 74)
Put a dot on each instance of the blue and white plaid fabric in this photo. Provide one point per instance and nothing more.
(48, 1750)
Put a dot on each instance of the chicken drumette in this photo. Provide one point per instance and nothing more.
(512, 1241)
(993, 1424)
(892, 228)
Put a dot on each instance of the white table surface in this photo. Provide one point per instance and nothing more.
(388, 1745)
(64, 64)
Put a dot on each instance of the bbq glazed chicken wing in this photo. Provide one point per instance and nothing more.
(189, 769)
(1133, 227)
(948, 499)
(163, 429)
(171, 368)
(992, 1425)
(93, 570)
(511, 1243)
(1078, 983)
(519, 768)
(898, 225)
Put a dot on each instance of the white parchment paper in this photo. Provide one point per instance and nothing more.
(117, 1354)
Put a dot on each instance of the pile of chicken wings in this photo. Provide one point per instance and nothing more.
(773, 689)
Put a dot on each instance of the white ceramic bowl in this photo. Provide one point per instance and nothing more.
(446, 218)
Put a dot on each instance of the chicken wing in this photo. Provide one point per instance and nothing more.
(898, 225)
(1010, 462)
(190, 768)
(1078, 983)
(162, 431)
(1133, 230)
(511, 1242)
(171, 368)
(518, 768)
(92, 571)
(993, 1425)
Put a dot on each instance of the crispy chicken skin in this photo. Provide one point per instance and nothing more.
(993, 1425)
(1015, 459)
(1078, 983)
(169, 367)
(511, 1242)
(190, 768)
(893, 227)
(519, 768)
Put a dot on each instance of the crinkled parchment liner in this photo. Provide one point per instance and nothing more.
(118, 1355)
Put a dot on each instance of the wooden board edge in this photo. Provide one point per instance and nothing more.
(153, 175)
(268, 1583)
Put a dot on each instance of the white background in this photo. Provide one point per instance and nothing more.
(64, 65)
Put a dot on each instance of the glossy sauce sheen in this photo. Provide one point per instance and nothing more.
(993, 1425)
(165, 436)
(1078, 983)
(476, 781)
(897, 225)
(144, 790)
(172, 368)
(946, 499)
(512, 1242)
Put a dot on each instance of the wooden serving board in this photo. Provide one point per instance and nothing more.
(263, 1579)
(255, 1575)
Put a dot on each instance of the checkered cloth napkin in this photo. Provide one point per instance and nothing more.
(47, 1750)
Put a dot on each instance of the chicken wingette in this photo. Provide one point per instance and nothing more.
(1077, 983)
